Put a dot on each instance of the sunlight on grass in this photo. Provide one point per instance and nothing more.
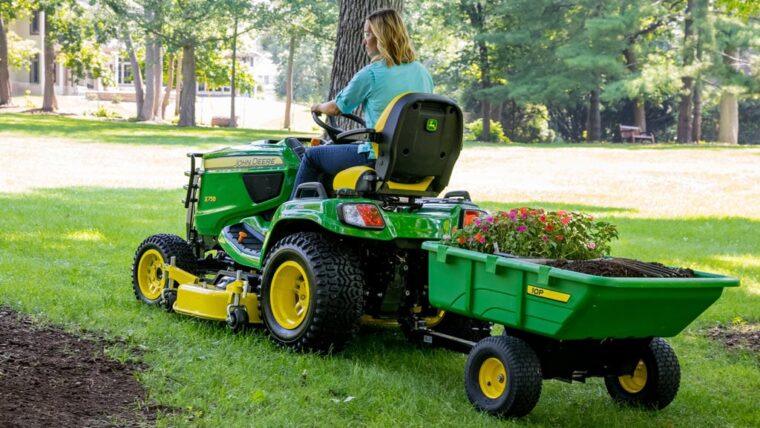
(85, 235)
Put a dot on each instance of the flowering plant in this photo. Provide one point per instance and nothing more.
(529, 232)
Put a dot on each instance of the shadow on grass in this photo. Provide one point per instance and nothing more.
(101, 131)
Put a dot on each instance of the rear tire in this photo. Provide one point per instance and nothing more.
(655, 381)
(148, 274)
(502, 376)
(311, 293)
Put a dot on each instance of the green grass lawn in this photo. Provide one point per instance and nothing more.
(65, 256)
(106, 131)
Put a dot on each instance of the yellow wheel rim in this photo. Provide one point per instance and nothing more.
(289, 295)
(436, 319)
(492, 378)
(150, 274)
(635, 382)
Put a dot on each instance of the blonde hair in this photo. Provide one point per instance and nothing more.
(393, 40)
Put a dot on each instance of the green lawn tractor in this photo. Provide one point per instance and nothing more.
(311, 268)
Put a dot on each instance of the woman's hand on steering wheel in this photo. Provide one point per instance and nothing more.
(331, 128)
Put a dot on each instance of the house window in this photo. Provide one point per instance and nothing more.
(34, 71)
(125, 72)
(34, 26)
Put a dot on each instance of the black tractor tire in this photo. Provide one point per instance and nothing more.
(311, 293)
(655, 382)
(502, 376)
(452, 324)
(148, 275)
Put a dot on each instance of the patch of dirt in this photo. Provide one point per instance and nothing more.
(621, 268)
(739, 336)
(52, 378)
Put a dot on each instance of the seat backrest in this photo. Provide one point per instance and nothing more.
(419, 140)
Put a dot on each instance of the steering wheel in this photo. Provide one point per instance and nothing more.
(332, 129)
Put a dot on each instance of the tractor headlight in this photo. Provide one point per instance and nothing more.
(367, 216)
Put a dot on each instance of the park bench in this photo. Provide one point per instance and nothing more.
(634, 134)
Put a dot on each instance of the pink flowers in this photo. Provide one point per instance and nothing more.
(535, 232)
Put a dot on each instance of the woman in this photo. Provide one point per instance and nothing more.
(392, 71)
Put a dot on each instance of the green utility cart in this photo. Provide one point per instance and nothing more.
(566, 325)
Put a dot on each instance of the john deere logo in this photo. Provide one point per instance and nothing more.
(431, 125)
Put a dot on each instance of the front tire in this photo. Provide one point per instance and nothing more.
(148, 274)
(654, 382)
(311, 293)
(503, 376)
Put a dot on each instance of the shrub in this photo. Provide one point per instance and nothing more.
(529, 232)
(116, 99)
(497, 132)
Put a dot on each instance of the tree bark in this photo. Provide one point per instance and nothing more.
(150, 80)
(477, 19)
(594, 117)
(685, 107)
(233, 121)
(169, 84)
(728, 125)
(696, 124)
(136, 75)
(349, 56)
(289, 82)
(187, 109)
(5, 75)
(178, 88)
(49, 101)
(639, 110)
(158, 76)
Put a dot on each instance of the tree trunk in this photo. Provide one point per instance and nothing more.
(594, 117)
(187, 109)
(696, 124)
(233, 121)
(178, 88)
(349, 56)
(150, 80)
(158, 76)
(5, 75)
(685, 106)
(169, 84)
(639, 111)
(49, 101)
(136, 75)
(729, 118)
(289, 82)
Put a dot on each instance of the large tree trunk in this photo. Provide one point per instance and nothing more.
(150, 80)
(169, 84)
(289, 82)
(594, 117)
(136, 75)
(5, 75)
(187, 109)
(639, 111)
(349, 55)
(696, 124)
(685, 106)
(49, 101)
(233, 121)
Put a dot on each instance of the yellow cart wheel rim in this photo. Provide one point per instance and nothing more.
(635, 382)
(492, 378)
(289, 295)
(150, 274)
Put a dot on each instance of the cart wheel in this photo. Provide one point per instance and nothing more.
(502, 376)
(653, 383)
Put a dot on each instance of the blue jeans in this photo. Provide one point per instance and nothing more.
(330, 160)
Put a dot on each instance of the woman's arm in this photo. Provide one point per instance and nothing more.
(329, 108)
